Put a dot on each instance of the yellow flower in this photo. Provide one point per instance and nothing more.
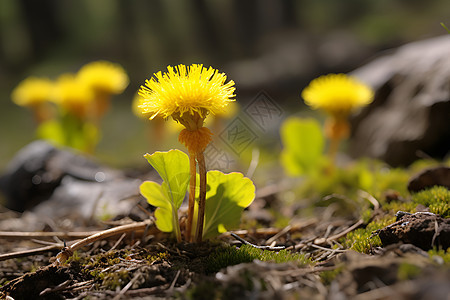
(104, 77)
(32, 91)
(337, 94)
(192, 89)
(189, 94)
(74, 96)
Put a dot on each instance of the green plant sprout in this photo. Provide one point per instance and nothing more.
(188, 94)
(68, 111)
(226, 197)
(338, 95)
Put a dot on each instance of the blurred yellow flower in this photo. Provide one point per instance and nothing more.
(104, 77)
(74, 96)
(186, 89)
(337, 94)
(32, 91)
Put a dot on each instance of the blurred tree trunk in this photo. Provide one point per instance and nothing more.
(42, 25)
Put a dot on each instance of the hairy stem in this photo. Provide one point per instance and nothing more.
(202, 197)
(192, 185)
(332, 151)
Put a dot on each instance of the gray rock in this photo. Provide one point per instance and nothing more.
(56, 183)
(410, 114)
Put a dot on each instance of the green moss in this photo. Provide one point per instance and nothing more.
(104, 268)
(371, 176)
(114, 280)
(393, 207)
(366, 215)
(362, 239)
(228, 256)
(437, 199)
(157, 257)
(440, 254)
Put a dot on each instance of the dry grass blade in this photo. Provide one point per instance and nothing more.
(321, 241)
(14, 235)
(25, 253)
(68, 251)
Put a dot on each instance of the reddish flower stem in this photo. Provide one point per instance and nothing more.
(202, 197)
(192, 185)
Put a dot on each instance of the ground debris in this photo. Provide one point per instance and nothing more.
(424, 230)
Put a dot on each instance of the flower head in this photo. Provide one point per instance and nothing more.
(74, 96)
(186, 89)
(104, 77)
(337, 94)
(32, 91)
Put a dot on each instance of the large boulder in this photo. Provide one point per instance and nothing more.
(410, 115)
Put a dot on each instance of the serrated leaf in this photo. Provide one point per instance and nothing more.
(226, 198)
(303, 145)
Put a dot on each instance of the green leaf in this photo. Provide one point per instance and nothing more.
(70, 132)
(303, 143)
(51, 131)
(226, 198)
(173, 168)
(155, 196)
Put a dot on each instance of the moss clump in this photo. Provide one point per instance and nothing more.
(228, 256)
(114, 280)
(437, 199)
(157, 257)
(362, 239)
(395, 206)
(440, 255)
(109, 269)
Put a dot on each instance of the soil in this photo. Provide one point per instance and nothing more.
(148, 265)
(318, 261)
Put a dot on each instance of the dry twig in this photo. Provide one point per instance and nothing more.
(67, 252)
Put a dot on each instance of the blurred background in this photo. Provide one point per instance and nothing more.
(271, 45)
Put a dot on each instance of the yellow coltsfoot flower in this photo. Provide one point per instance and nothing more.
(35, 93)
(188, 94)
(73, 96)
(337, 94)
(104, 77)
(186, 89)
(32, 91)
